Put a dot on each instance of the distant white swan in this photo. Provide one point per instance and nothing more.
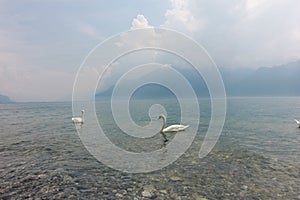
(172, 128)
(297, 122)
(79, 119)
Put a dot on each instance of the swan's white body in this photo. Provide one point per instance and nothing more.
(79, 119)
(172, 128)
(297, 122)
(175, 128)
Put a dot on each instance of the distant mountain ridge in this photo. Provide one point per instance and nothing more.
(282, 80)
(5, 99)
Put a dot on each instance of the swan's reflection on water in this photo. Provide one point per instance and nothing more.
(78, 127)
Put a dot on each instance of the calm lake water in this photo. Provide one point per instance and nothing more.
(256, 157)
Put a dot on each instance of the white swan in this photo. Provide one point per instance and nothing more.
(79, 119)
(172, 128)
(297, 122)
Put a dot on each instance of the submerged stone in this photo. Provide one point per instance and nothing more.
(175, 178)
(148, 191)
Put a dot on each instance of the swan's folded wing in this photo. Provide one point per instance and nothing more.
(183, 127)
(172, 128)
(175, 128)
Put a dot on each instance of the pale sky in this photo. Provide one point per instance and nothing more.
(42, 43)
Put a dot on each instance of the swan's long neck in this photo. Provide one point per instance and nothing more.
(164, 123)
(82, 116)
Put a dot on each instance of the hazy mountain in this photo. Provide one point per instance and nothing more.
(148, 91)
(283, 80)
(5, 99)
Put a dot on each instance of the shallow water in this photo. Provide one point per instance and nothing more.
(256, 157)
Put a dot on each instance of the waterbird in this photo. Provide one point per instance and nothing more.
(172, 128)
(297, 122)
(79, 119)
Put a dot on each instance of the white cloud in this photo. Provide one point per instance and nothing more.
(181, 18)
(249, 33)
(140, 22)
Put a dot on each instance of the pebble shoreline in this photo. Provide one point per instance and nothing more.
(223, 174)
